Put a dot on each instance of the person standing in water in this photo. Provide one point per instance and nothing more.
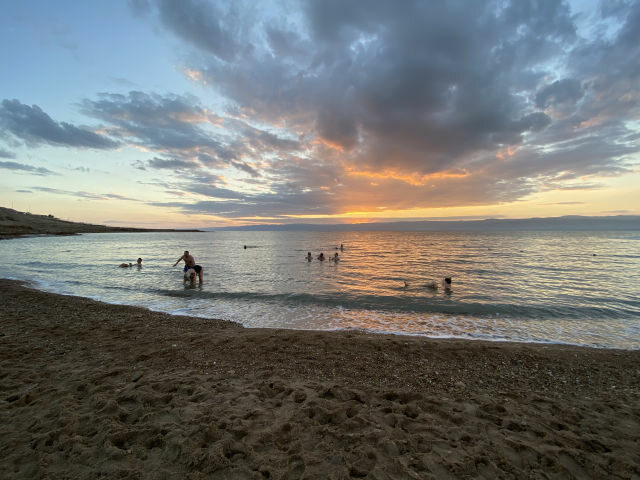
(190, 262)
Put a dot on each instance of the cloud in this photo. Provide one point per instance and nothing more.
(171, 164)
(492, 100)
(35, 127)
(26, 168)
(203, 24)
(177, 126)
(333, 107)
(6, 154)
(185, 134)
(560, 91)
(162, 122)
(85, 195)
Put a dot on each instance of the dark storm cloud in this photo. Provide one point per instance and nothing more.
(35, 127)
(26, 168)
(418, 89)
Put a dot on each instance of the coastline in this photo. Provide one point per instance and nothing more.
(15, 224)
(91, 389)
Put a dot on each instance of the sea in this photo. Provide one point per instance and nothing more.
(577, 288)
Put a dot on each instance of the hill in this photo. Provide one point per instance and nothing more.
(16, 224)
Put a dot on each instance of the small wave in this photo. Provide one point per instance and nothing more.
(422, 305)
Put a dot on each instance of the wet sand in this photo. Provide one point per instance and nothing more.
(90, 390)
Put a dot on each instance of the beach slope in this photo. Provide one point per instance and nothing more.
(90, 390)
(17, 224)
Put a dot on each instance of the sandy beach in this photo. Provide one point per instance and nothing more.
(91, 390)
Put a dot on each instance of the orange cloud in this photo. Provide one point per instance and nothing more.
(507, 152)
(592, 122)
(412, 179)
(328, 144)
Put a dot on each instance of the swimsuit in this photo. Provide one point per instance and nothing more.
(197, 268)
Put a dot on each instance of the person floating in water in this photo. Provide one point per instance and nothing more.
(309, 257)
(336, 257)
(321, 257)
(446, 284)
(190, 263)
(127, 265)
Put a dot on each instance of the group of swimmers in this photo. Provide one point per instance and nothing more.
(322, 258)
(191, 269)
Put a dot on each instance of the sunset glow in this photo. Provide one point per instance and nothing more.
(319, 112)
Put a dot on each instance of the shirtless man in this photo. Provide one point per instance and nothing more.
(190, 262)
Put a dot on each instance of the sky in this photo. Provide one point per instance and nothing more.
(203, 113)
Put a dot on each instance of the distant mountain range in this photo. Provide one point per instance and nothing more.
(566, 223)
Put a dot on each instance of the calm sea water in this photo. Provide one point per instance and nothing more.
(560, 287)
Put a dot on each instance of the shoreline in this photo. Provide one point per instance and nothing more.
(33, 285)
(94, 390)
